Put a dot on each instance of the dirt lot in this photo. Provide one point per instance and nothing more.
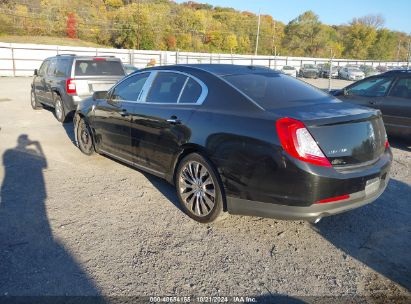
(77, 225)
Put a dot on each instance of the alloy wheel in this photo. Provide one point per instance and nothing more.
(84, 138)
(58, 109)
(33, 100)
(197, 188)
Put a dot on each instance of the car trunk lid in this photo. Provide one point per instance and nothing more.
(348, 135)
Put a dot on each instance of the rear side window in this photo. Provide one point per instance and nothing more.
(62, 67)
(275, 90)
(130, 88)
(98, 68)
(166, 88)
(191, 92)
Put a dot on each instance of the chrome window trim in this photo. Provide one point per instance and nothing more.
(200, 100)
(231, 85)
(124, 79)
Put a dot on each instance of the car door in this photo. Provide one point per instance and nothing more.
(369, 92)
(160, 120)
(48, 82)
(111, 119)
(39, 81)
(396, 107)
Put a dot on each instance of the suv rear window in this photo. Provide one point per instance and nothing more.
(275, 90)
(98, 68)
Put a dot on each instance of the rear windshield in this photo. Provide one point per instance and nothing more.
(272, 90)
(98, 68)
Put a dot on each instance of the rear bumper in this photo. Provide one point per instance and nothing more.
(309, 213)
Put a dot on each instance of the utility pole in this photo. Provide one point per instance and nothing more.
(258, 32)
(409, 54)
(331, 69)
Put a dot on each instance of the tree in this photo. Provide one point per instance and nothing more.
(358, 40)
(71, 28)
(304, 36)
(230, 42)
(375, 21)
(385, 46)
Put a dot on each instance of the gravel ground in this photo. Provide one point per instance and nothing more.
(77, 225)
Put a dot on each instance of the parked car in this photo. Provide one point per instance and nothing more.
(389, 92)
(369, 70)
(325, 71)
(129, 68)
(350, 73)
(289, 70)
(381, 69)
(64, 80)
(242, 139)
(309, 71)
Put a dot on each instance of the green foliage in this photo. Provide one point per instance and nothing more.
(192, 26)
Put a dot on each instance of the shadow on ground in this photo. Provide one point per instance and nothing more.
(378, 235)
(400, 143)
(32, 262)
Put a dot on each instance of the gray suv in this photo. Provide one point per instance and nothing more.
(64, 80)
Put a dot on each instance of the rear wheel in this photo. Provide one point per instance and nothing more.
(84, 137)
(33, 101)
(199, 189)
(59, 110)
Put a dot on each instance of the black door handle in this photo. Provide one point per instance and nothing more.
(124, 113)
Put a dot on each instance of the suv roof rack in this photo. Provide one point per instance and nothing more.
(58, 55)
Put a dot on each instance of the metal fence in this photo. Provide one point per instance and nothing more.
(22, 59)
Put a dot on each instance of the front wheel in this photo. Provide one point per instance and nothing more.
(199, 189)
(33, 101)
(84, 137)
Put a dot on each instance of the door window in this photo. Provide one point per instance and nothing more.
(166, 88)
(373, 87)
(130, 88)
(43, 68)
(52, 68)
(402, 88)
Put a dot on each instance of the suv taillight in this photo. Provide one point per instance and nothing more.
(71, 86)
(298, 142)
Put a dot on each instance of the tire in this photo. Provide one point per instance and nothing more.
(33, 101)
(199, 189)
(59, 110)
(84, 137)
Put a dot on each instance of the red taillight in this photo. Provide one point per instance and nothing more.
(298, 142)
(99, 59)
(333, 199)
(71, 86)
(387, 144)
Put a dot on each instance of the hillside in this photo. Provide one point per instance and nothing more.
(191, 26)
(48, 40)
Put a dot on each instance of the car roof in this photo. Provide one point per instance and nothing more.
(81, 57)
(217, 69)
(397, 72)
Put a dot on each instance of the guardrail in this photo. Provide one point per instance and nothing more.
(22, 59)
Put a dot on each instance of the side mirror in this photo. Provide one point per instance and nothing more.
(345, 92)
(100, 95)
(36, 72)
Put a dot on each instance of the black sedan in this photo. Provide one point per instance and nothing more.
(389, 92)
(240, 139)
